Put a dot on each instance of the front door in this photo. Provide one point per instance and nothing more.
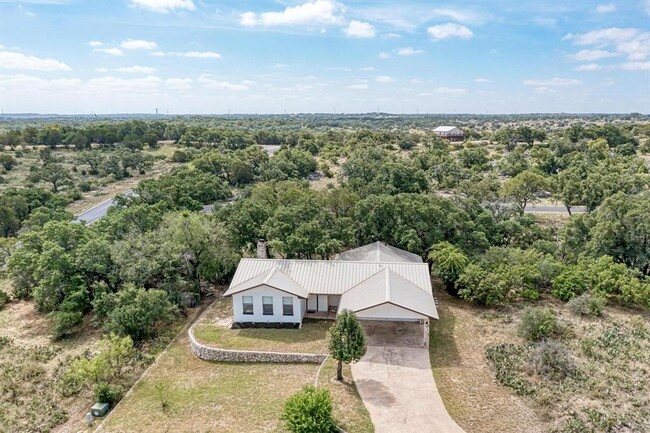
(322, 303)
(312, 303)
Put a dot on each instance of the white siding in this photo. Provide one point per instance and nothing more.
(389, 312)
(257, 316)
(322, 303)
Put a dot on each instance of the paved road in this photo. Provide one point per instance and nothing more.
(398, 389)
(97, 212)
(554, 209)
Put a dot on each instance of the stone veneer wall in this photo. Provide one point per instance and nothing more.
(208, 353)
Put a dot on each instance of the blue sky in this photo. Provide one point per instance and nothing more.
(205, 56)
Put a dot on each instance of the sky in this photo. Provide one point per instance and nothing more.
(245, 56)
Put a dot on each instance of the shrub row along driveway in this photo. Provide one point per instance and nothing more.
(397, 387)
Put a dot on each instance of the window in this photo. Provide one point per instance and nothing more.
(267, 305)
(248, 304)
(287, 306)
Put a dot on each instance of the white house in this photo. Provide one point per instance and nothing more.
(378, 282)
(450, 133)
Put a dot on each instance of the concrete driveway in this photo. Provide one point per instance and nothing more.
(397, 388)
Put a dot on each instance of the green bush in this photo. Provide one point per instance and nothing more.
(507, 360)
(4, 299)
(309, 411)
(105, 393)
(64, 321)
(587, 305)
(551, 360)
(538, 324)
(569, 284)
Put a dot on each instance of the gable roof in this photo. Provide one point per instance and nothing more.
(326, 277)
(379, 252)
(273, 277)
(446, 129)
(386, 286)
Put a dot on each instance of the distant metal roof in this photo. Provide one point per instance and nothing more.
(388, 287)
(273, 277)
(379, 252)
(326, 277)
(445, 128)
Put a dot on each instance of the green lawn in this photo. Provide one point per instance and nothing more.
(200, 396)
(212, 329)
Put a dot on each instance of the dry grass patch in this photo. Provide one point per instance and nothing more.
(181, 393)
(213, 329)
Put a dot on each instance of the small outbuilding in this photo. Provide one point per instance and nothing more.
(450, 133)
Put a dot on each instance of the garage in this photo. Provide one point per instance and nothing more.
(396, 333)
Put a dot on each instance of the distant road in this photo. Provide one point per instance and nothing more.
(554, 209)
(99, 211)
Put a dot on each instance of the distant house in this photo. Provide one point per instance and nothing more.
(450, 133)
(377, 281)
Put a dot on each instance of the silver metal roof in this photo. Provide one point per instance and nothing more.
(445, 128)
(387, 287)
(379, 252)
(275, 278)
(328, 277)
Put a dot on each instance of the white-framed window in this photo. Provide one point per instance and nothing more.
(287, 306)
(247, 302)
(267, 305)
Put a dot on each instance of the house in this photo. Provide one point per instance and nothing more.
(376, 281)
(450, 133)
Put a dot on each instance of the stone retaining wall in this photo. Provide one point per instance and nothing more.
(208, 353)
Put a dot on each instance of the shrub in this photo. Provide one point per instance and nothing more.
(8, 162)
(4, 299)
(85, 186)
(64, 321)
(587, 305)
(551, 360)
(569, 284)
(481, 287)
(507, 360)
(309, 411)
(105, 393)
(538, 324)
(182, 156)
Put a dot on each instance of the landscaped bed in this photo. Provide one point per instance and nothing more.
(214, 329)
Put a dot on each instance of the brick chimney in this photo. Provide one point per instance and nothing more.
(262, 251)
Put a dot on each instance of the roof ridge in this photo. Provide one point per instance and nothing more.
(336, 261)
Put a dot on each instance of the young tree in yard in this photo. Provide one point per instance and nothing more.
(347, 340)
(525, 187)
(309, 411)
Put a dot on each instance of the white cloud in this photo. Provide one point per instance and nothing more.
(12, 60)
(553, 82)
(482, 80)
(26, 84)
(367, 68)
(408, 51)
(646, 6)
(606, 8)
(213, 84)
(589, 67)
(111, 86)
(545, 21)
(358, 87)
(384, 79)
(179, 83)
(359, 29)
(591, 55)
(138, 44)
(100, 70)
(95, 44)
(603, 36)
(543, 90)
(158, 53)
(384, 55)
(393, 35)
(321, 12)
(164, 6)
(197, 54)
(636, 66)
(109, 51)
(449, 90)
(449, 30)
(281, 65)
(632, 42)
(136, 69)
